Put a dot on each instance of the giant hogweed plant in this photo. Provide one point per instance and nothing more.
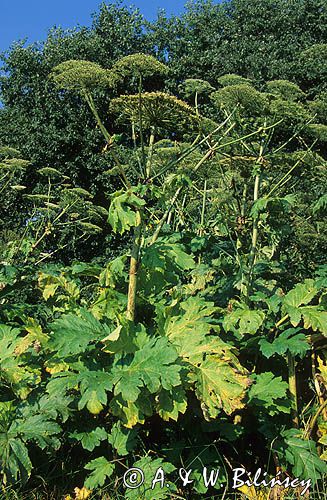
(55, 216)
(143, 342)
(54, 210)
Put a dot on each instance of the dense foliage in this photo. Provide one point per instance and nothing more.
(162, 255)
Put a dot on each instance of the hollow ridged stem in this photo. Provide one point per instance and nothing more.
(293, 389)
(133, 268)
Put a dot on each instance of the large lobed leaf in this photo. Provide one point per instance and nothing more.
(219, 379)
(122, 214)
(72, 334)
(154, 367)
(302, 455)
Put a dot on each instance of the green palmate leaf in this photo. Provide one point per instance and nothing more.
(93, 401)
(315, 319)
(86, 269)
(61, 382)
(17, 427)
(148, 490)
(268, 392)
(122, 213)
(244, 321)
(72, 334)
(37, 428)
(172, 403)
(12, 369)
(162, 266)
(93, 386)
(301, 294)
(126, 338)
(153, 366)
(109, 304)
(187, 323)
(264, 204)
(294, 314)
(9, 339)
(101, 470)
(91, 439)
(122, 440)
(288, 341)
(50, 407)
(113, 272)
(302, 455)
(15, 459)
(50, 283)
(162, 253)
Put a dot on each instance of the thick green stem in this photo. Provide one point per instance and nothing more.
(195, 144)
(313, 422)
(140, 173)
(133, 268)
(196, 104)
(150, 153)
(141, 119)
(254, 242)
(243, 207)
(214, 148)
(89, 99)
(293, 389)
(204, 200)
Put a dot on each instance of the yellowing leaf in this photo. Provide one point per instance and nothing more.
(52, 367)
(82, 493)
(322, 365)
(255, 494)
(171, 404)
(129, 413)
(50, 290)
(35, 335)
(219, 379)
(93, 405)
(315, 319)
(219, 386)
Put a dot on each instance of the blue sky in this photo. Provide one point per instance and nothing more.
(33, 18)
